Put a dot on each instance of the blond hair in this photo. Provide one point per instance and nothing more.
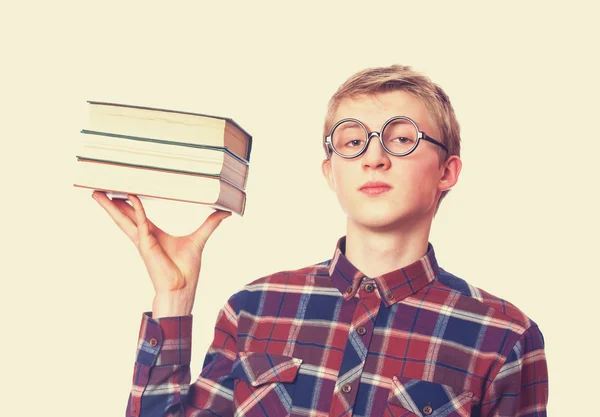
(402, 78)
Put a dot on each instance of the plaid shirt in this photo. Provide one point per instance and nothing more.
(326, 340)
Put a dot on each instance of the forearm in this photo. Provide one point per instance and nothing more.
(161, 380)
(161, 375)
(165, 394)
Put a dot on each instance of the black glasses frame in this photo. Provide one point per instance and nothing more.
(328, 144)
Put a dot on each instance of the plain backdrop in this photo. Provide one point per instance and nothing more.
(521, 223)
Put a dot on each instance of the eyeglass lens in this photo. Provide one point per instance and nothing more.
(399, 136)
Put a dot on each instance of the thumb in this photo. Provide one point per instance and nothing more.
(201, 235)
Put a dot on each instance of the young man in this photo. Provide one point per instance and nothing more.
(378, 330)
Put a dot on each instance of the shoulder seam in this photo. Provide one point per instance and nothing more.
(479, 298)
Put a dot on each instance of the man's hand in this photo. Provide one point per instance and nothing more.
(173, 263)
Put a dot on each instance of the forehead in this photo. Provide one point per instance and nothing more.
(375, 109)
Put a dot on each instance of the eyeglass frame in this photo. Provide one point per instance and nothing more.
(328, 144)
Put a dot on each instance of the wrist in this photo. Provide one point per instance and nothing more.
(172, 304)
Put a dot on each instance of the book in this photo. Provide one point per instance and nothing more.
(120, 180)
(158, 154)
(170, 125)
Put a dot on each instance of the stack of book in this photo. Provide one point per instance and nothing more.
(164, 154)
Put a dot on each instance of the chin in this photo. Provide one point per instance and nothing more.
(387, 217)
(378, 221)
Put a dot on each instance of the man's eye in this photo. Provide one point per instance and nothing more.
(402, 139)
(355, 143)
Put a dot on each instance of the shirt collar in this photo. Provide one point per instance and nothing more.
(393, 286)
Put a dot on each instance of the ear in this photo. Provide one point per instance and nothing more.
(450, 172)
(328, 173)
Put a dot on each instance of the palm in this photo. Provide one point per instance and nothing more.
(175, 258)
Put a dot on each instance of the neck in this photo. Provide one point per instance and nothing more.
(376, 252)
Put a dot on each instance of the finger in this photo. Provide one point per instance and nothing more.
(140, 219)
(120, 218)
(130, 212)
(201, 235)
(126, 208)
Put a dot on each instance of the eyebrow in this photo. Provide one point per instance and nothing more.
(419, 126)
(346, 126)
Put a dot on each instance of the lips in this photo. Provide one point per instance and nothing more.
(375, 187)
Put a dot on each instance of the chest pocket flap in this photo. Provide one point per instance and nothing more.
(427, 399)
(257, 368)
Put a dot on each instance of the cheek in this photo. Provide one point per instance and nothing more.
(342, 184)
(418, 180)
(343, 178)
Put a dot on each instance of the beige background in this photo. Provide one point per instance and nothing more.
(521, 223)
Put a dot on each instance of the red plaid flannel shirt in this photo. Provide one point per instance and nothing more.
(326, 340)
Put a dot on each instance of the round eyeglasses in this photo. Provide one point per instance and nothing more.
(399, 136)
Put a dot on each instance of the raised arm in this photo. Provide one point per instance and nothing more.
(161, 373)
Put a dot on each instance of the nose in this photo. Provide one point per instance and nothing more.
(375, 156)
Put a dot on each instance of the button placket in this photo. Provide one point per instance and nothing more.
(367, 304)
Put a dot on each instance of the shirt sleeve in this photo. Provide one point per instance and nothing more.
(161, 377)
(521, 386)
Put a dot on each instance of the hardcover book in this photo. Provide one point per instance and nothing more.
(170, 125)
(122, 179)
(151, 153)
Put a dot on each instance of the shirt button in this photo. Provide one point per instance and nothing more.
(369, 287)
(427, 410)
(361, 330)
(153, 342)
(346, 388)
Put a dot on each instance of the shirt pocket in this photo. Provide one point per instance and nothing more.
(415, 398)
(263, 384)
